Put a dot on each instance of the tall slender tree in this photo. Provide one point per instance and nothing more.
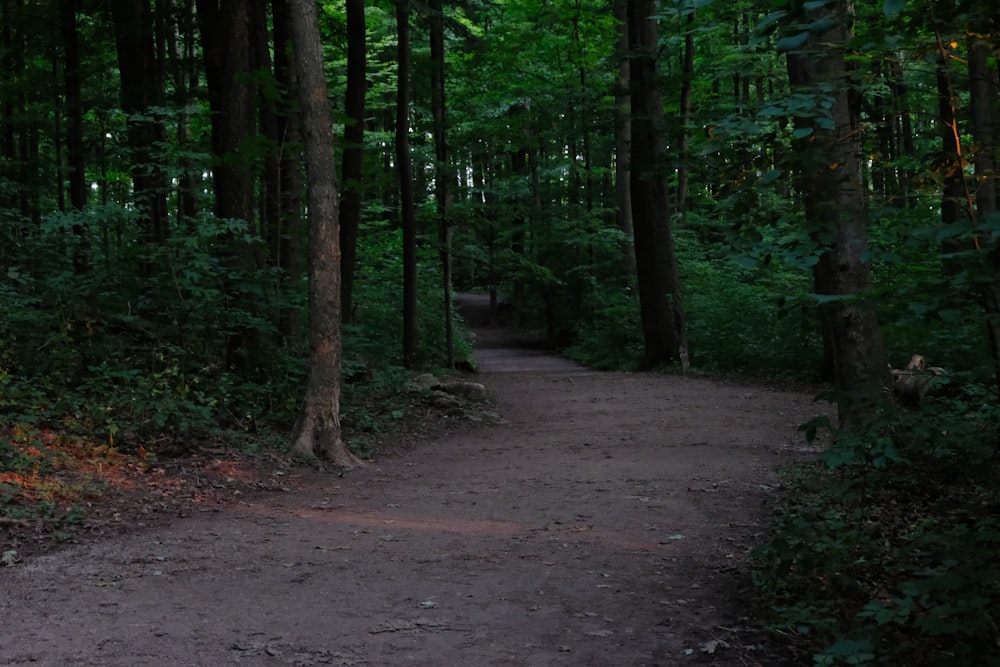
(404, 170)
(76, 157)
(289, 222)
(353, 151)
(984, 85)
(226, 45)
(142, 95)
(442, 171)
(830, 183)
(318, 429)
(623, 138)
(654, 252)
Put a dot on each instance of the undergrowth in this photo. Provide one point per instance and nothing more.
(125, 360)
(887, 550)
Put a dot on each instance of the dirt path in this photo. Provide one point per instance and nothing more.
(602, 524)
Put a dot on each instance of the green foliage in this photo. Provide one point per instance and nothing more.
(610, 339)
(375, 334)
(887, 552)
(743, 316)
(141, 343)
(125, 347)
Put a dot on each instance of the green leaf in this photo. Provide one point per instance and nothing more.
(792, 42)
(952, 315)
(892, 7)
(825, 123)
(802, 132)
(771, 176)
(770, 20)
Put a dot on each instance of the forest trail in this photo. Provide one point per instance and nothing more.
(604, 522)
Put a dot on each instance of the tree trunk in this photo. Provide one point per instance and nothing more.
(74, 132)
(405, 173)
(290, 183)
(520, 170)
(623, 139)
(687, 88)
(983, 87)
(955, 206)
(225, 31)
(902, 132)
(442, 172)
(354, 135)
(226, 38)
(269, 209)
(829, 179)
(318, 429)
(655, 263)
(142, 91)
(180, 46)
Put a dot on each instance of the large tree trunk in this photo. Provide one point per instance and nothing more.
(354, 135)
(226, 37)
(226, 45)
(142, 92)
(830, 181)
(318, 429)
(655, 263)
(983, 87)
(225, 32)
(404, 169)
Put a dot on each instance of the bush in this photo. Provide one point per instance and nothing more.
(888, 552)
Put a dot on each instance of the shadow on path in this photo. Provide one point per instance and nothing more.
(502, 349)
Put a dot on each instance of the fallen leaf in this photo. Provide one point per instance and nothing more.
(711, 646)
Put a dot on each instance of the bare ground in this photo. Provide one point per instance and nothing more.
(606, 520)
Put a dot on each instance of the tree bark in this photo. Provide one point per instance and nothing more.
(180, 47)
(655, 263)
(318, 430)
(141, 90)
(442, 171)
(290, 184)
(955, 204)
(829, 179)
(226, 37)
(404, 169)
(74, 132)
(354, 135)
(225, 31)
(623, 139)
(983, 87)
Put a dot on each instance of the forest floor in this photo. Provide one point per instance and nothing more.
(597, 519)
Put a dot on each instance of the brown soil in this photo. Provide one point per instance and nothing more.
(605, 520)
